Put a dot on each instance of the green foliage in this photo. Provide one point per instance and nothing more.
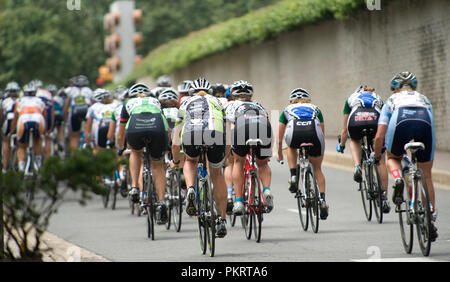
(29, 203)
(255, 27)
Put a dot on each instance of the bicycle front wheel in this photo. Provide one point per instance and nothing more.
(423, 213)
(377, 192)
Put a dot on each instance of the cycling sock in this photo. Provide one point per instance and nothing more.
(322, 196)
(230, 191)
(293, 171)
(239, 200)
(266, 188)
(21, 166)
(395, 173)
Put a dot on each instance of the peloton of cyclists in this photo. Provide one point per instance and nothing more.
(12, 92)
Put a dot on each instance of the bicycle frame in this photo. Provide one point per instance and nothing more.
(249, 172)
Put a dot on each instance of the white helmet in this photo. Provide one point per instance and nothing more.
(299, 93)
(183, 87)
(100, 94)
(168, 95)
(200, 84)
(241, 88)
(139, 88)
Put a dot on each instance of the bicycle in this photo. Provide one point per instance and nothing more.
(254, 203)
(13, 162)
(308, 195)
(370, 187)
(174, 199)
(30, 165)
(206, 214)
(415, 208)
(148, 204)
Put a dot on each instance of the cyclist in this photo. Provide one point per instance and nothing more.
(201, 121)
(80, 99)
(98, 118)
(59, 99)
(163, 83)
(249, 120)
(228, 170)
(169, 102)
(303, 123)
(46, 97)
(362, 111)
(12, 91)
(407, 115)
(142, 118)
(29, 113)
(183, 91)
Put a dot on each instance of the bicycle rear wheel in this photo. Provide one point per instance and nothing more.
(210, 218)
(246, 218)
(302, 204)
(405, 221)
(377, 193)
(177, 201)
(423, 213)
(202, 225)
(314, 197)
(150, 205)
(257, 206)
(365, 196)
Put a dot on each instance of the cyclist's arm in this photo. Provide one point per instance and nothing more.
(281, 130)
(111, 131)
(124, 117)
(14, 121)
(88, 129)
(178, 158)
(379, 139)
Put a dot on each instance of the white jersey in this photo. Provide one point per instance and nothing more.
(8, 108)
(101, 114)
(80, 96)
(30, 108)
(46, 97)
(365, 99)
(242, 107)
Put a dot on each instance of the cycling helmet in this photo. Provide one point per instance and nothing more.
(404, 78)
(218, 88)
(168, 95)
(121, 93)
(81, 81)
(183, 87)
(299, 93)
(100, 94)
(164, 81)
(200, 84)
(139, 88)
(241, 88)
(29, 89)
(52, 88)
(12, 87)
(38, 83)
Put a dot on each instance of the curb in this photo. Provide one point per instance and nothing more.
(441, 178)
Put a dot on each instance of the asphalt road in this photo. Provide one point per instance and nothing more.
(345, 236)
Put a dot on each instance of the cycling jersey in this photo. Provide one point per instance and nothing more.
(250, 121)
(145, 122)
(202, 118)
(59, 103)
(80, 99)
(171, 115)
(303, 126)
(101, 115)
(409, 115)
(363, 108)
(116, 118)
(47, 98)
(30, 112)
(8, 106)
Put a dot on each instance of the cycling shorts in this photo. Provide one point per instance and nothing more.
(77, 116)
(27, 122)
(148, 126)
(362, 118)
(100, 134)
(191, 140)
(50, 119)
(300, 131)
(411, 123)
(257, 128)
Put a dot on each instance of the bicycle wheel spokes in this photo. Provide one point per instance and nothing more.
(303, 210)
(406, 222)
(423, 214)
(365, 196)
(210, 218)
(177, 202)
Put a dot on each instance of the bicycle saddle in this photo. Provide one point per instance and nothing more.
(414, 146)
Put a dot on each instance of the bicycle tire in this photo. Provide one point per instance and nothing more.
(314, 196)
(105, 197)
(177, 202)
(377, 191)
(423, 213)
(169, 201)
(210, 218)
(257, 207)
(405, 222)
(202, 226)
(149, 201)
(364, 189)
(302, 204)
(246, 218)
(115, 190)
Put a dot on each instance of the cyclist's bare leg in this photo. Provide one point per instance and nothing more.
(21, 151)
(190, 171)
(292, 156)
(220, 190)
(135, 167)
(317, 165)
(426, 168)
(355, 149)
(159, 177)
(238, 175)
(74, 139)
(264, 171)
(37, 147)
(228, 171)
(48, 147)
(382, 170)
